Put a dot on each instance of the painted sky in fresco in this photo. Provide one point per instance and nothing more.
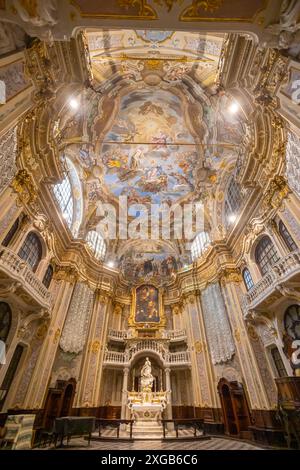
(156, 156)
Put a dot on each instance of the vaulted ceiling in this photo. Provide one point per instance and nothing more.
(154, 126)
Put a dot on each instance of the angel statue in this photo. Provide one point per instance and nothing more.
(146, 376)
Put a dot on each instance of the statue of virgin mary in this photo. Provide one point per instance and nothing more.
(146, 377)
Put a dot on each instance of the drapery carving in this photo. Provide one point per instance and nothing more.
(75, 330)
(217, 326)
(293, 162)
(8, 150)
(293, 223)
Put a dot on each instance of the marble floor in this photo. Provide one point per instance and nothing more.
(214, 443)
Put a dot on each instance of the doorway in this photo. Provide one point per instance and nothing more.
(235, 410)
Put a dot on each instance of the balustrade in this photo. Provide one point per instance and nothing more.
(18, 270)
(280, 272)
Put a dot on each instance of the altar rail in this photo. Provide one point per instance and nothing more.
(171, 359)
(18, 270)
(280, 272)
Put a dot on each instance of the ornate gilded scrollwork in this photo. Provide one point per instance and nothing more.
(195, 11)
(277, 192)
(24, 186)
(228, 275)
(168, 3)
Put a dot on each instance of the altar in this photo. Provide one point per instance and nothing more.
(146, 406)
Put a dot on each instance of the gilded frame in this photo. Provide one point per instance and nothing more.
(147, 325)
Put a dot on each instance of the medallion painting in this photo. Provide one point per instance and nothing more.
(148, 261)
(147, 304)
(149, 155)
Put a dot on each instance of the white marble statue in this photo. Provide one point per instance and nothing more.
(146, 377)
(38, 12)
(285, 34)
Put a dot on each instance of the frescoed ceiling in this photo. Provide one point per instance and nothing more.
(169, 55)
(155, 128)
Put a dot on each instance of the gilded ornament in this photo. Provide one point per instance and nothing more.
(56, 336)
(252, 333)
(24, 186)
(118, 309)
(205, 5)
(198, 347)
(168, 3)
(228, 275)
(237, 335)
(41, 331)
(95, 346)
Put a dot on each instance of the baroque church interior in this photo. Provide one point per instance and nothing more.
(111, 111)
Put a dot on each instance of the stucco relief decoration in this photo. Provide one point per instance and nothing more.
(39, 16)
(293, 162)
(8, 149)
(75, 330)
(219, 335)
(14, 77)
(292, 222)
(116, 9)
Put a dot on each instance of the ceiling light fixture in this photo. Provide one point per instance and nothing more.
(234, 107)
(74, 104)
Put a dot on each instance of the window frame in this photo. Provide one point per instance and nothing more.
(247, 278)
(26, 252)
(47, 279)
(199, 244)
(97, 244)
(287, 237)
(265, 266)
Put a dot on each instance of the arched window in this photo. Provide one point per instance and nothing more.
(97, 244)
(287, 236)
(233, 201)
(247, 279)
(48, 276)
(200, 243)
(5, 320)
(68, 195)
(31, 250)
(11, 233)
(63, 194)
(265, 255)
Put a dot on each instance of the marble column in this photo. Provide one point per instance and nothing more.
(62, 290)
(90, 386)
(124, 393)
(169, 393)
(257, 394)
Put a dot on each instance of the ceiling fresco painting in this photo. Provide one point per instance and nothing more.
(155, 128)
(148, 261)
(152, 155)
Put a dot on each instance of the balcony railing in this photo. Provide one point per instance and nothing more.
(123, 358)
(280, 272)
(18, 270)
(177, 358)
(174, 334)
(113, 357)
(120, 335)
